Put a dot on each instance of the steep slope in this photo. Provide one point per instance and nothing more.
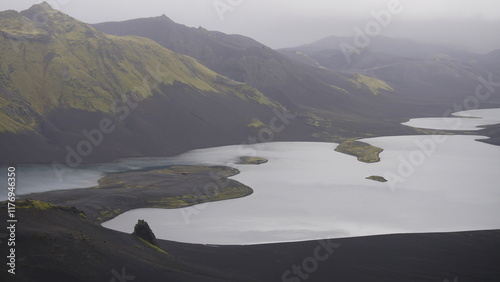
(337, 106)
(245, 60)
(64, 84)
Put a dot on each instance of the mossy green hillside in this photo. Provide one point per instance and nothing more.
(64, 63)
(219, 194)
(374, 85)
(44, 206)
(15, 27)
(34, 204)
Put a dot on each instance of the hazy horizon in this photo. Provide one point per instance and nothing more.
(463, 24)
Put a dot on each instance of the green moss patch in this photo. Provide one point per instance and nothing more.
(151, 245)
(107, 213)
(44, 206)
(199, 197)
(34, 204)
(256, 123)
(363, 151)
(68, 64)
(374, 85)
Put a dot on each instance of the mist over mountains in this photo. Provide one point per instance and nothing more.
(424, 69)
(464, 25)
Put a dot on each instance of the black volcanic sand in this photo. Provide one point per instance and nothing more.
(55, 243)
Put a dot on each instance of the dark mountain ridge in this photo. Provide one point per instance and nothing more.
(161, 103)
(61, 79)
(339, 105)
(240, 58)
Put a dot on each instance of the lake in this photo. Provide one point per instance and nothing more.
(309, 191)
(471, 120)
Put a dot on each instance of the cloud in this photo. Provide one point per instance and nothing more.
(285, 23)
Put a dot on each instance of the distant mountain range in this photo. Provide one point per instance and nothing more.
(245, 60)
(421, 70)
(240, 58)
(73, 92)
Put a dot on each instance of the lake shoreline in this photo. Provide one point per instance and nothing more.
(169, 188)
(65, 246)
(309, 190)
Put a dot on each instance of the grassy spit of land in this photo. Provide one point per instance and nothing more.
(169, 188)
(363, 151)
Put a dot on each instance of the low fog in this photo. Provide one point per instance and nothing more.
(470, 25)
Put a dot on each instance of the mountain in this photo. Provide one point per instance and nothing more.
(335, 103)
(338, 104)
(418, 70)
(242, 59)
(399, 47)
(71, 92)
(491, 60)
(387, 82)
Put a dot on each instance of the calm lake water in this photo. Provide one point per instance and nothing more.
(465, 120)
(308, 191)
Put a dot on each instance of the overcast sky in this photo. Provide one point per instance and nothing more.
(287, 23)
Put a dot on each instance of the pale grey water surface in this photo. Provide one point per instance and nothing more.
(309, 191)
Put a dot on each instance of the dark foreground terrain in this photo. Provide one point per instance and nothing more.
(66, 242)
